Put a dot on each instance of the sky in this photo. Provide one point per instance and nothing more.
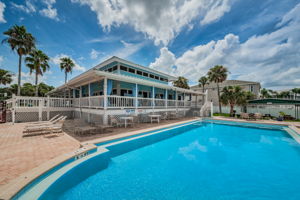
(256, 40)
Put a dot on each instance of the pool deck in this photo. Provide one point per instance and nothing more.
(25, 158)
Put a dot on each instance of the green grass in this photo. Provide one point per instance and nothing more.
(222, 114)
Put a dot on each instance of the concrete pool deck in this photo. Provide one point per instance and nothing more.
(24, 159)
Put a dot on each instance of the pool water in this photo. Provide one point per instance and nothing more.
(212, 161)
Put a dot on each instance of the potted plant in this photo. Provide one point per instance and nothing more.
(281, 115)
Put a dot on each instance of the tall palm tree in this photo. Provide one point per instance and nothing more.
(20, 41)
(67, 65)
(233, 95)
(202, 82)
(181, 82)
(37, 62)
(218, 74)
(5, 77)
(264, 93)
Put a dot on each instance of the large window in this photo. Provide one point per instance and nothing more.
(131, 70)
(139, 72)
(125, 92)
(124, 68)
(145, 74)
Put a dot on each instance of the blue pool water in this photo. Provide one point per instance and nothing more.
(212, 161)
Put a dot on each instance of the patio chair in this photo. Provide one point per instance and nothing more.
(258, 116)
(244, 115)
(164, 116)
(114, 122)
(43, 129)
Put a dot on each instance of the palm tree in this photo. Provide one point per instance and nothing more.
(218, 74)
(233, 95)
(37, 61)
(264, 93)
(20, 41)
(67, 65)
(202, 82)
(181, 82)
(5, 77)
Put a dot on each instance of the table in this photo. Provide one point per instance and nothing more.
(154, 118)
(125, 120)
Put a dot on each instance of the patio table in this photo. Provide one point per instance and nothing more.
(154, 118)
(126, 119)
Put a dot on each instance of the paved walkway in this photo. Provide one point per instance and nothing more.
(19, 154)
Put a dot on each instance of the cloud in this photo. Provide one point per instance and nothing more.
(28, 7)
(160, 21)
(2, 8)
(1, 60)
(94, 54)
(56, 60)
(49, 12)
(273, 59)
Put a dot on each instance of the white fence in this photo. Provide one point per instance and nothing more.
(273, 110)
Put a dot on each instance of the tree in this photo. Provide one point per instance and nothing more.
(28, 89)
(234, 95)
(218, 74)
(264, 93)
(20, 41)
(202, 82)
(44, 89)
(5, 77)
(67, 65)
(181, 82)
(37, 61)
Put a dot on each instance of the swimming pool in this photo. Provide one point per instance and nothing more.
(200, 160)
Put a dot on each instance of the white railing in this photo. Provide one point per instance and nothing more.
(84, 102)
(59, 102)
(144, 102)
(171, 103)
(120, 102)
(97, 101)
(159, 103)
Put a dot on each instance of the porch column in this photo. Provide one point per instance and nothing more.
(80, 96)
(118, 68)
(74, 93)
(105, 117)
(136, 97)
(166, 98)
(176, 99)
(153, 96)
(89, 94)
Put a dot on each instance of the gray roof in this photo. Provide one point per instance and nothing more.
(227, 83)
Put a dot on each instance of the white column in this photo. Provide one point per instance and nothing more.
(41, 105)
(136, 97)
(118, 68)
(48, 107)
(105, 117)
(176, 99)
(166, 98)
(80, 96)
(13, 108)
(153, 96)
(89, 94)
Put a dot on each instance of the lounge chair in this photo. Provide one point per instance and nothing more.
(61, 118)
(42, 122)
(244, 115)
(258, 116)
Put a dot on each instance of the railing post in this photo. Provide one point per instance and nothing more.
(13, 113)
(48, 107)
(41, 102)
(176, 100)
(153, 96)
(166, 99)
(80, 96)
(89, 95)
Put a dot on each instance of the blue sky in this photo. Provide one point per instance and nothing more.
(256, 40)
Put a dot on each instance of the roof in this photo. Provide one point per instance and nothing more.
(117, 59)
(274, 101)
(227, 83)
(94, 75)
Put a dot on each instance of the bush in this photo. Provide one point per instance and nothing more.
(222, 114)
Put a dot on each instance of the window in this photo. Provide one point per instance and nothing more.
(162, 79)
(139, 73)
(145, 74)
(114, 68)
(124, 68)
(151, 76)
(110, 70)
(156, 77)
(114, 92)
(131, 70)
(251, 88)
(125, 92)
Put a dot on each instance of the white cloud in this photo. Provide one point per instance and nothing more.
(272, 58)
(159, 20)
(94, 54)
(165, 62)
(28, 7)
(2, 8)
(49, 12)
(56, 60)
(1, 60)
